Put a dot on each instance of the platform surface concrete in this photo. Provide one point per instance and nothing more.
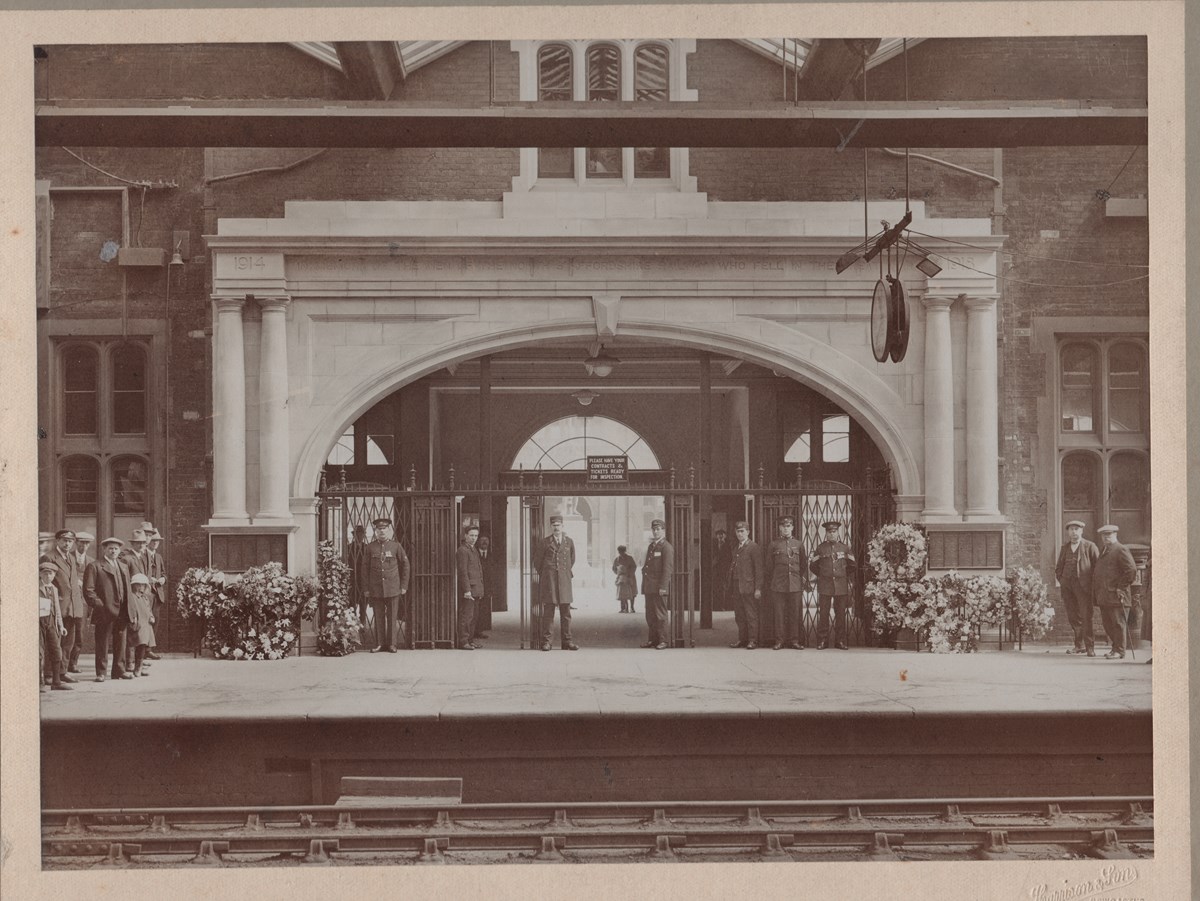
(432, 685)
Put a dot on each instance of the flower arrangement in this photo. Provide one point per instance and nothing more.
(340, 632)
(1028, 608)
(254, 618)
(897, 553)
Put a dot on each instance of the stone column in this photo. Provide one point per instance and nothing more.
(273, 412)
(229, 413)
(939, 412)
(983, 413)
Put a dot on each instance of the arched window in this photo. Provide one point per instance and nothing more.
(79, 484)
(129, 389)
(1080, 363)
(603, 84)
(129, 487)
(1081, 489)
(1129, 495)
(651, 82)
(81, 366)
(567, 443)
(555, 82)
(1126, 387)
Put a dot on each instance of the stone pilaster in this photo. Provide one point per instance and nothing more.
(229, 413)
(983, 431)
(939, 412)
(273, 413)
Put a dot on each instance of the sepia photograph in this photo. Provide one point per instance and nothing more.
(768, 421)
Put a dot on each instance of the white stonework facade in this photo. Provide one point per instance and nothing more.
(320, 314)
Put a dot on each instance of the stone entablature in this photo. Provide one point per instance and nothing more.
(360, 298)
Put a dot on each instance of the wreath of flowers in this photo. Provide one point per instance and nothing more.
(898, 552)
(1028, 606)
(341, 631)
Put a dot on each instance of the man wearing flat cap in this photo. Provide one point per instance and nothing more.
(786, 576)
(1112, 575)
(69, 586)
(156, 570)
(106, 589)
(555, 565)
(831, 565)
(657, 570)
(1073, 570)
(385, 572)
(745, 584)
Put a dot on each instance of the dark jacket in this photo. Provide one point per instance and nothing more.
(831, 565)
(746, 569)
(66, 580)
(787, 565)
(107, 593)
(658, 567)
(384, 569)
(1085, 562)
(470, 571)
(1112, 575)
(555, 564)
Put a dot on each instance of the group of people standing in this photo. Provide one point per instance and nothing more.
(121, 593)
(1091, 576)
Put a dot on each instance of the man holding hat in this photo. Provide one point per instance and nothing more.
(555, 565)
(71, 606)
(1073, 570)
(831, 566)
(1112, 575)
(385, 572)
(657, 570)
(106, 589)
(786, 576)
(745, 583)
(50, 629)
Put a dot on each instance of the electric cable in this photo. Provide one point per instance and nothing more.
(1013, 253)
(1017, 281)
(136, 184)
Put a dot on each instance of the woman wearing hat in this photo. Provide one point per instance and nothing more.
(625, 569)
(141, 634)
(1073, 570)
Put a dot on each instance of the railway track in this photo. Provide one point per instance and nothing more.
(988, 828)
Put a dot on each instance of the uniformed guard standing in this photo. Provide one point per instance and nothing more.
(786, 576)
(657, 571)
(831, 564)
(555, 564)
(385, 579)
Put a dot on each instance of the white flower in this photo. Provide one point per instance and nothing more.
(238, 652)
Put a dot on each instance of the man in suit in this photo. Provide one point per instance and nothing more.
(657, 570)
(50, 630)
(157, 573)
(106, 588)
(555, 565)
(1112, 574)
(71, 605)
(831, 565)
(470, 586)
(745, 578)
(786, 575)
(385, 571)
(1073, 570)
(483, 603)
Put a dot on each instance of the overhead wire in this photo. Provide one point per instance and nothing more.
(136, 184)
(1017, 281)
(1013, 253)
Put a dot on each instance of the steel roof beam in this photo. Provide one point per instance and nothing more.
(373, 68)
(840, 124)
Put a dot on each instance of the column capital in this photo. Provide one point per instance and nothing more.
(224, 303)
(939, 301)
(975, 302)
(271, 303)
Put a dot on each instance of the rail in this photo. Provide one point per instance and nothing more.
(989, 828)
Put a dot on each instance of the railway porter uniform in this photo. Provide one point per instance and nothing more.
(831, 565)
(555, 565)
(786, 576)
(385, 578)
(657, 570)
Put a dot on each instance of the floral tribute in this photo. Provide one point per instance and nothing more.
(340, 632)
(949, 610)
(256, 617)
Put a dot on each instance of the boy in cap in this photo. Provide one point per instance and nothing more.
(1112, 575)
(657, 570)
(831, 566)
(106, 588)
(1073, 570)
(71, 607)
(786, 576)
(141, 635)
(555, 564)
(385, 571)
(745, 582)
(50, 629)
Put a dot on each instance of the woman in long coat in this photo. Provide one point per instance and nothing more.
(141, 633)
(625, 568)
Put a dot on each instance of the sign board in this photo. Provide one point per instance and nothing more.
(608, 468)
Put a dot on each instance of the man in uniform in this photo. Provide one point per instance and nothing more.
(745, 579)
(385, 580)
(657, 569)
(1076, 560)
(555, 564)
(71, 606)
(786, 575)
(1112, 575)
(470, 586)
(106, 588)
(831, 567)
